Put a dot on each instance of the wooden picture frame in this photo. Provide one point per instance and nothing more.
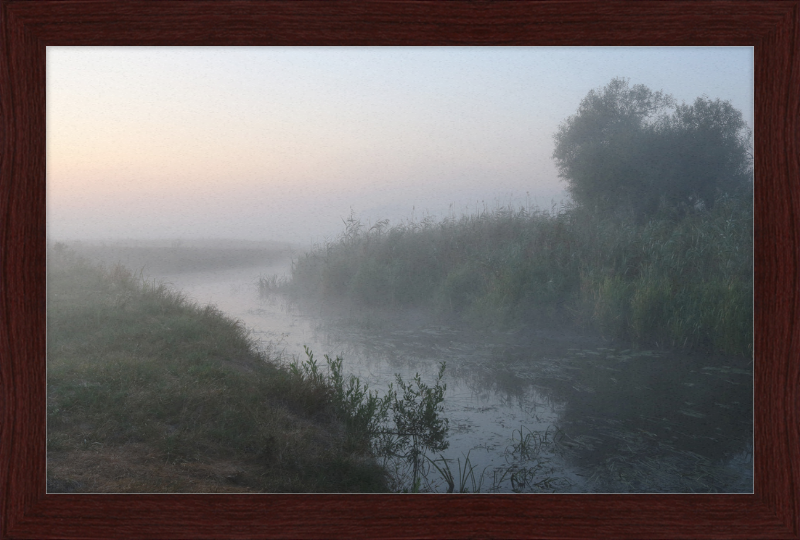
(772, 27)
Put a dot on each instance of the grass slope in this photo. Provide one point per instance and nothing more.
(148, 392)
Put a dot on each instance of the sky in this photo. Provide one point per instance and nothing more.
(283, 143)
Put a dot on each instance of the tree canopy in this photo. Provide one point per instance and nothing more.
(630, 150)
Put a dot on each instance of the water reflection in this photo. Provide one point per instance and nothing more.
(603, 418)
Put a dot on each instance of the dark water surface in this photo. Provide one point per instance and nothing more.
(532, 411)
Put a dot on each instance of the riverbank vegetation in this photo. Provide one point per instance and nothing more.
(683, 282)
(149, 392)
(403, 425)
(655, 249)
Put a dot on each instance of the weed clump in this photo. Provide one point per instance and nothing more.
(400, 425)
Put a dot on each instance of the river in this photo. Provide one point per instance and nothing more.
(541, 410)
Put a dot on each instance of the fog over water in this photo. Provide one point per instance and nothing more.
(600, 416)
(209, 168)
(271, 143)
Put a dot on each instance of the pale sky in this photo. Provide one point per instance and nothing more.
(274, 143)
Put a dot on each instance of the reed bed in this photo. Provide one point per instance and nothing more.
(683, 279)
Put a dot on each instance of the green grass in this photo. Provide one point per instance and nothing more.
(150, 392)
(680, 280)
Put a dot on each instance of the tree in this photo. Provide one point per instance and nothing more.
(623, 152)
(705, 152)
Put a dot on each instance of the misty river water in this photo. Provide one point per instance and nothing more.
(550, 410)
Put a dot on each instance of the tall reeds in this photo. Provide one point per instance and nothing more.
(682, 279)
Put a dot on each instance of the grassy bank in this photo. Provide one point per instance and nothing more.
(148, 392)
(680, 280)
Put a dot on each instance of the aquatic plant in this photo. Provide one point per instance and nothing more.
(525, 446)
(528, 468)
(465, 474)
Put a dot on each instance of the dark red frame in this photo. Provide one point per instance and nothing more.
(772, 27)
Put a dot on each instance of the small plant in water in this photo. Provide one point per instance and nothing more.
(528, 445)
(529, 462)
(465, 474)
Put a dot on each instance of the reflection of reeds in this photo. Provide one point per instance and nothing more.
(528, 468)
(528, 455)
(675, 281)
(526, 446)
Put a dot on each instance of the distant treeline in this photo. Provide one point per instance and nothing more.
(679, 280)
(181, 257)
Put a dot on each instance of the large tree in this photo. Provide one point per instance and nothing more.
(629, 150)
